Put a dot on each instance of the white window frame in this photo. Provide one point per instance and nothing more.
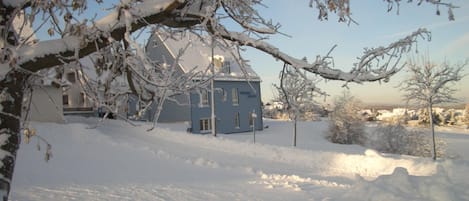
(236, 120)
(204, 98)
(205, 125)
(224, 95)
(235, 96)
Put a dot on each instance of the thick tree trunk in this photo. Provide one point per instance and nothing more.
(11, 98)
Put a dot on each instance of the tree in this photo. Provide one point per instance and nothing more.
(346, 124)
(428, 84)
(154, 84)
(75, 33)
(297, 92)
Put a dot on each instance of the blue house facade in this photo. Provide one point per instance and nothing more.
(237, 108)
(237, 89)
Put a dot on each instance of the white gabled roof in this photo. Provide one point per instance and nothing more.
(199, 53)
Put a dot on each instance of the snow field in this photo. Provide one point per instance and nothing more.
(119, 162)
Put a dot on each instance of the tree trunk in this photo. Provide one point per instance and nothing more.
(11, 98)
(294, 133)
(254, 129)
(432, 126)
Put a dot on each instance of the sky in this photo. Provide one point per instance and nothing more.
(377, 27)
(309, 37)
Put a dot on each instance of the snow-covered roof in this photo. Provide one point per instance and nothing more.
(23, 27)
(198, 56)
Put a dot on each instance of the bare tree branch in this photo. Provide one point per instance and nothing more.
(33, 58)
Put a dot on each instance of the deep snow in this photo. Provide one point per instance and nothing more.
(117, 161)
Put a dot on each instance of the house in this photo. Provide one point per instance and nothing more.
(52, 100)
(56, 94)
(237, 92)
(111, 97)
(46, 104)
(74, 98)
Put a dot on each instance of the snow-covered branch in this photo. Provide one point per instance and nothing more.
(428, 82)
(342, 8)
(81, 35)
(191, 13)
(247, 17)
(54, 52)
(368, 68)
(437, 3)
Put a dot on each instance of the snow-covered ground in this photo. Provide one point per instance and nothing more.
(117, 161)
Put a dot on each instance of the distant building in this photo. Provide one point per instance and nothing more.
(74, 98)
(46, 102)
(237, 91)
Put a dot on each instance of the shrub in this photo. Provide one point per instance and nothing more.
(396, 139)
(346, 125)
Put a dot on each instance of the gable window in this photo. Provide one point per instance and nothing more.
(205, 125)
(204, 97)
(234, 96)
(226, 67)
(236, 120)
(71, 77)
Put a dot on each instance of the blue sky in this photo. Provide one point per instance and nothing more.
(377, 27)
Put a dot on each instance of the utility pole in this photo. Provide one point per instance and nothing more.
(254, 116)
(212, 92)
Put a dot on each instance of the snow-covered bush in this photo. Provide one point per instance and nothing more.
(424, 118)
(346, 125)
(397, 139)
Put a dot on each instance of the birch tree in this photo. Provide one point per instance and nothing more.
(429, 84)
(298, 94)
(75, 33)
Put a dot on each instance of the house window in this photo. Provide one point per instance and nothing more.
(226, 67)
(205, 125)
(71, 77)
(224, 95)
(204, 97)
(234, 96)
(82, 98)
(65, 99)
(236, 120)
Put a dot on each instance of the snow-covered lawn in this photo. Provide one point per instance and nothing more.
(119, 162)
